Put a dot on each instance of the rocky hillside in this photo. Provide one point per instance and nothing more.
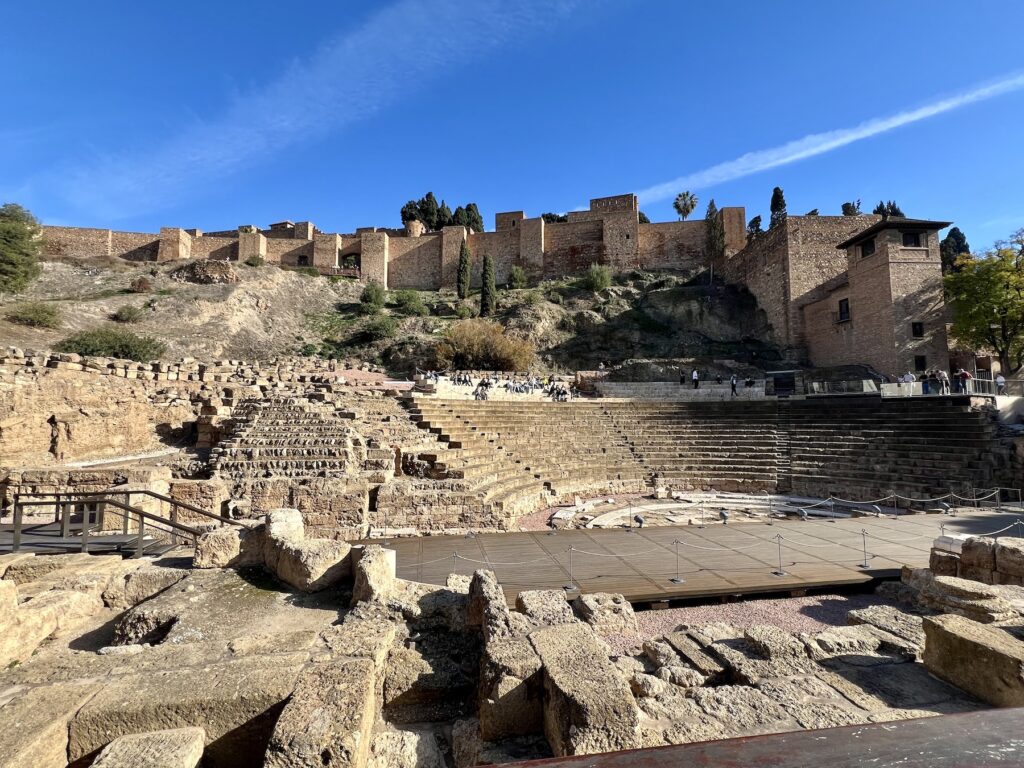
(212, 310)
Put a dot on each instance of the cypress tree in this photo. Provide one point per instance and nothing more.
(488, 293)
(778, 208)
(19, 248)
(953, 245)
(476, 221)
(714, 238)
(463, 277)
(428, 211)
(444, 216)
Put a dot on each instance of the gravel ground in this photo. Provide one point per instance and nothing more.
(793, 614)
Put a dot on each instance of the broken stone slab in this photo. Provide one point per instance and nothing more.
(488, 608)
(978, 552)
(985, 661)
(588, 706)
(907, 626)
(694, 655)
(311, 565)
(230, 547)
(235, 702)
(1010, 557)
(747, 710)
(607, 613)
(328, 719)
(812, 703)
(374, 575)
(39, 618)
(545, 607)
(175, 748)
(285, 524)
(27, 569)
(773, 643)
(511, 690)
(950, 594)
(6, 561)
(943, 563)
(141, 584)
(395, 748)
(35, 731)
(431, 676)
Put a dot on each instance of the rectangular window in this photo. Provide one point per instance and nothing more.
(911, 239)
(844, 310)
(867, 247)
(917, 330)
(920, 362)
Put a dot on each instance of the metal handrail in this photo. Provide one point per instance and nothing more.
(144, 492)
(86, 526)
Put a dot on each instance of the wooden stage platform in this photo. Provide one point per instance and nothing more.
(737, 559)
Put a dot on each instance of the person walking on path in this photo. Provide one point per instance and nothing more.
(696, 379)
(732, 384)
(909, 380)
(1000, 384)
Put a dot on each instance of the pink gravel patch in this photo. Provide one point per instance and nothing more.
(792, 614)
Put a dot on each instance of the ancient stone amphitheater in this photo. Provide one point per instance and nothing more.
(304, 563)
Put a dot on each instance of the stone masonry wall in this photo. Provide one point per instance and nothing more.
(415, 262)
(672, 245)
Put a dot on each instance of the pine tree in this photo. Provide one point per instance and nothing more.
(19, 248)
(754, 229)
(444, 216)
(428, 211)
(459, 218)
(888, 209)
(852, 208)
(488, 292)
(778, 208)
(476, 221)
(812, 212)
(714, 238)
(463, 276)
(953, 245)
(410, 212)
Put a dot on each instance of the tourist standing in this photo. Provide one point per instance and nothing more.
(696, 379)
(1000, 384)
(943, 382)
(909, 379)
(732, 384)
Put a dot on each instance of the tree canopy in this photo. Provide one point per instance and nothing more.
(436, 215)
(754, 229)
(953, 245)
(685, 204)
(987, 296)
(888, 209)
(19, 248)
(778, 208)
(852, 208)
(554, 218)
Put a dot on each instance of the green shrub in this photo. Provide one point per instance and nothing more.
(517, 277)
(308, 350)
(349, 262)
(111, 341)
(531, 298)
(36, 314)
(382, 327)
(482, 344)
(464, 312)
(374, 294)
(255, 261)
(370, 309)
(596, 278)
(127, 314)
(308, 271)
(410, 303)
(554, 297)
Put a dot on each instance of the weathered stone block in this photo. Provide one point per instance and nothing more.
(230, 547)
(1010, 557)
(35, 731)
(982, 660)
(176, 748)
(285, 524)
(545, 607)
(607, 613)
(588, 707)
(488, 608)
(978, 552)
(235, 702)
(328, 720)
(313, 564)
(511, 690)
(374, 575)
(943, 563)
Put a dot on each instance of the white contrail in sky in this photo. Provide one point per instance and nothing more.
(820, 143)
(353, 75)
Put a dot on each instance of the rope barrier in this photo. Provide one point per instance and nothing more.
(627, 555)
(812, 546)
(493, 562)
(724, 549)
(850, 501)
(973, 498)
(922, 501)
(900, 541)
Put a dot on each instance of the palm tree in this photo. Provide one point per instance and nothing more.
(685, 203)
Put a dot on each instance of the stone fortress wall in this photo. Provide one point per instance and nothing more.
(795, 270)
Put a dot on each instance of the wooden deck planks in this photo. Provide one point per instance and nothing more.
(714, 560)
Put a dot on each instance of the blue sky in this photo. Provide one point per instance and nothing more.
(212, 115)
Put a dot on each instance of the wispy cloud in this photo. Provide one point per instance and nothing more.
(348, 79)
(820, 143)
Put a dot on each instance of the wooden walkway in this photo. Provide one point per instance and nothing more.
(741, 558)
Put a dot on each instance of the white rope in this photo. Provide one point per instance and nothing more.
(973, 498)
(923, 501)
(899, 541)
(628, 554)
(813, 546)
(725, 549)
(492, 562)
(850, 501)
(424, 562)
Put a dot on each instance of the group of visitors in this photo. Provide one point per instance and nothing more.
(939, 382)
(734, 380)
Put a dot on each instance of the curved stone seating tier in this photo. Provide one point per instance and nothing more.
(517, 455)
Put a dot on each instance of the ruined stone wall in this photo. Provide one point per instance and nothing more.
(762, 268)
(374, 260)
(503, 248)
(917, 294)
(572, 246)
(415, 262)
(217, 248)
(76, 242)
(672, 245)
(289, 252)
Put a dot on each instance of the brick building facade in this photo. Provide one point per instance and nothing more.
(892, 308)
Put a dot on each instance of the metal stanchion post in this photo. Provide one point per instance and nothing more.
(701, 515)
(832, 509)
(571, 586)
(781, 571)
(677, 580)
(629, 528)
(385, 537)
(864, 536)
